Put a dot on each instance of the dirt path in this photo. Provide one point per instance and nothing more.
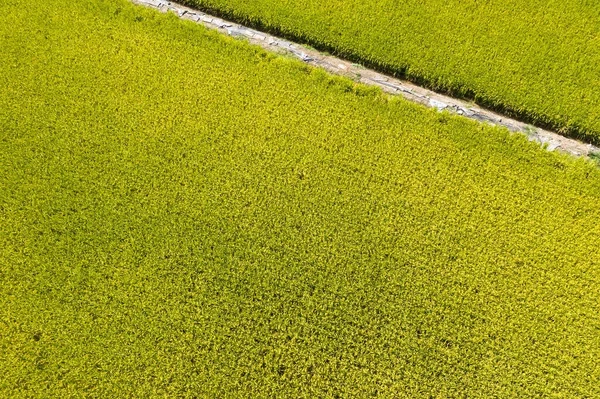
(550, 140)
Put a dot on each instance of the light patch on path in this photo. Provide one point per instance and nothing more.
(549, 140)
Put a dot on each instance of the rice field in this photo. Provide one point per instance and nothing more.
(185, 215)
(537, 60)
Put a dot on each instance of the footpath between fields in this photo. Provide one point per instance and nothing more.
(550, 140)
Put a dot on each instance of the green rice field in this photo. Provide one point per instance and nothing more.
(183, 215)
(538, 60)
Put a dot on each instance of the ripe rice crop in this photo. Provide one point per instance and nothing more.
(535, 59)
(184, 215)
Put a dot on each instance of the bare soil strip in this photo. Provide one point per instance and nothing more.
(549, 140)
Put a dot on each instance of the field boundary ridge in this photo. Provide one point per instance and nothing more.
(547, 139)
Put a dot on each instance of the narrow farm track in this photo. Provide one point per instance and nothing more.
(548, 139)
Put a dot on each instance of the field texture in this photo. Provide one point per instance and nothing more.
(182, 215)
(535, 59)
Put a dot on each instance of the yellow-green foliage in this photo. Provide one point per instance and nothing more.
(182, 215)
(536, 59)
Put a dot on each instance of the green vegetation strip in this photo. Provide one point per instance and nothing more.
(182, 215)
(538, 60)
